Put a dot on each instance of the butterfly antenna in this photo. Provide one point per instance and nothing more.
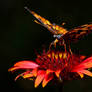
(27, 9)
(32, 12)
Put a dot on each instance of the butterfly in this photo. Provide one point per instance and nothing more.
(62, 35)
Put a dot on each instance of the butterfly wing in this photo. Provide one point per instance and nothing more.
(77, 33)
(53, 28)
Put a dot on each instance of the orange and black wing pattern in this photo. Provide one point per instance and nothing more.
(68, 35)
(78, 32)
(53, 28)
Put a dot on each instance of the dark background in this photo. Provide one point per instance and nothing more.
(20, 36)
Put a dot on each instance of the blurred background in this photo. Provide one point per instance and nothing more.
(20, 37)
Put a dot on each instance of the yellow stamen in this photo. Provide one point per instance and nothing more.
(60, 55)
(64, 55)
(53, 55)
(56, 56)
(49, 55)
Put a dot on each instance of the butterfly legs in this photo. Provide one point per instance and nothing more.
(66, 46)
(61, 43)
(55, 43)
(70, 50)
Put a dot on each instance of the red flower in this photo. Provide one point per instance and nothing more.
(54, 63)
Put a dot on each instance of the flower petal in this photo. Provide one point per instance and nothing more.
(24, 65)
(58, 72)
(12, 69)
(88, 59)
(27, 75)
(81, 75)
(84, 65)
(28, 64)
(82, 57)
(47, 78)
(49, 71)
(87, 63)
(18, 76)
(34, 72)
(86, 72)
(40, 77)
(22, 74)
